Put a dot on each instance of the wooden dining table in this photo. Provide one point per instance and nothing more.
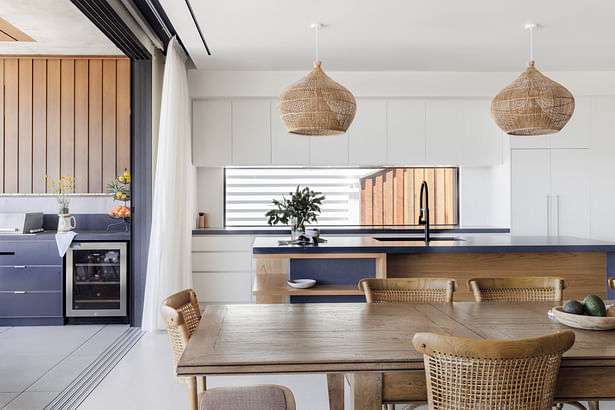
(371, 345)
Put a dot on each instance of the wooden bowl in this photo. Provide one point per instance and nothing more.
(585, 322)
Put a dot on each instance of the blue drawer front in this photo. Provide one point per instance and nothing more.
(31, 278)
(35, 252)
(30, 304)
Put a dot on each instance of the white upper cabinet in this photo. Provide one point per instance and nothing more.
(444, 130)
(329, 150)
(211, 133)
(287, 148)
(367, 136)
(406, 132)
(482, 138)
(251, 132)
(576, 134)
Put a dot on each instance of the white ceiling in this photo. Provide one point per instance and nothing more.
(57, 26)
(434, 35)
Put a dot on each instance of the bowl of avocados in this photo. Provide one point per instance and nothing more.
(591, 314)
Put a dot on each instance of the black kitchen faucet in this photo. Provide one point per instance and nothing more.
(424, 214)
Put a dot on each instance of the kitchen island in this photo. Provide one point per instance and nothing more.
(341, 262)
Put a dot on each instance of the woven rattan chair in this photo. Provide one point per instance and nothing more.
(518, 289)
(408, 290)
(181, 315)
(492, 374)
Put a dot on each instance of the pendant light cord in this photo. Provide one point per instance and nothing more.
(531, 43)
(316, 27)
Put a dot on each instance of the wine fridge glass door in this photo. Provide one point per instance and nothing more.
(96, 279)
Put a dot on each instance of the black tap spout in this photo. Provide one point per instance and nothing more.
(424, 210)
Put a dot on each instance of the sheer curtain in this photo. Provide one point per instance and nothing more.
(169, 267)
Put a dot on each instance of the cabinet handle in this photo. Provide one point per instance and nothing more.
(21, 292)
(19, 266)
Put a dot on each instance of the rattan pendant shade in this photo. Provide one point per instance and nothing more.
(316, 105)
(532, 105)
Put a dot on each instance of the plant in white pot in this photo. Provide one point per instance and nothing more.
(301, 208)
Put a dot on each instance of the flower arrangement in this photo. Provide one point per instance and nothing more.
(303, 207)
(120, 188)
(62, 188)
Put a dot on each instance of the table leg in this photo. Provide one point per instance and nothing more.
(194, 397)
(366, 390)
(335, 384)
(593, 404)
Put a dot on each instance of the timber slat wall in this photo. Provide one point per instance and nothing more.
(63, 116)
(391, 196)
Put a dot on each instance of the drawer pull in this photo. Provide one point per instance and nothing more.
(19, 266)
(20, 292)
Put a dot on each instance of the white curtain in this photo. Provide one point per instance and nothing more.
(169, 267)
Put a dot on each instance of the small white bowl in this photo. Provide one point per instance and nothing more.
(302, 283)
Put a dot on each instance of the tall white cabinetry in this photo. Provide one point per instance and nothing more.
(550, 192)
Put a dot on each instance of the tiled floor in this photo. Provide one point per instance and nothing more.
(37, 363)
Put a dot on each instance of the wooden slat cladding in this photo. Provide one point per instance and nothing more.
(63, 115)
(391, 196)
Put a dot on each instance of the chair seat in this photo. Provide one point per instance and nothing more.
(258, 397)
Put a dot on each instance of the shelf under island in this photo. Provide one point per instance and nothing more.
(341, 262)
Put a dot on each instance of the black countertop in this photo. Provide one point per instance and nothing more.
(347, 230)
(82, 236)
(470, 244)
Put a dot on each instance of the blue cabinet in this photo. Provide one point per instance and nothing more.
(31, 283)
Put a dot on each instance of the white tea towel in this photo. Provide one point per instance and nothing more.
(63, 240)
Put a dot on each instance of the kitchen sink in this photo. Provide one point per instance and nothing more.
(419, 238)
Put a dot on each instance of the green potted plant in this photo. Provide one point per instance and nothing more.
(301, 208)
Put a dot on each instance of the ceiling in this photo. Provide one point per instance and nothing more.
(431, 35)
(57, 27)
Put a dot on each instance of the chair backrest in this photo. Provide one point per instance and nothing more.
(612, 283)
(181, 315)
(518, 289)
(408, 290)
(466, 373)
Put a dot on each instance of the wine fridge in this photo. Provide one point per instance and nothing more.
(96, 279)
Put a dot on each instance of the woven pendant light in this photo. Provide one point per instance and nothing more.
(316, 105)
(533, 104)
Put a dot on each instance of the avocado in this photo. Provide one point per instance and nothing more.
(573, 306)
(594, 306)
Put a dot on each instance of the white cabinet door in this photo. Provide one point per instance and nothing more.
(602, 168)
(570, 192)
(482, 138)
(287, 148)
(444, 130)
(329, 150)
(367, 136)
(251, 132)
(406, 132)
(530, 189)
(211, 133)
(576, 134)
